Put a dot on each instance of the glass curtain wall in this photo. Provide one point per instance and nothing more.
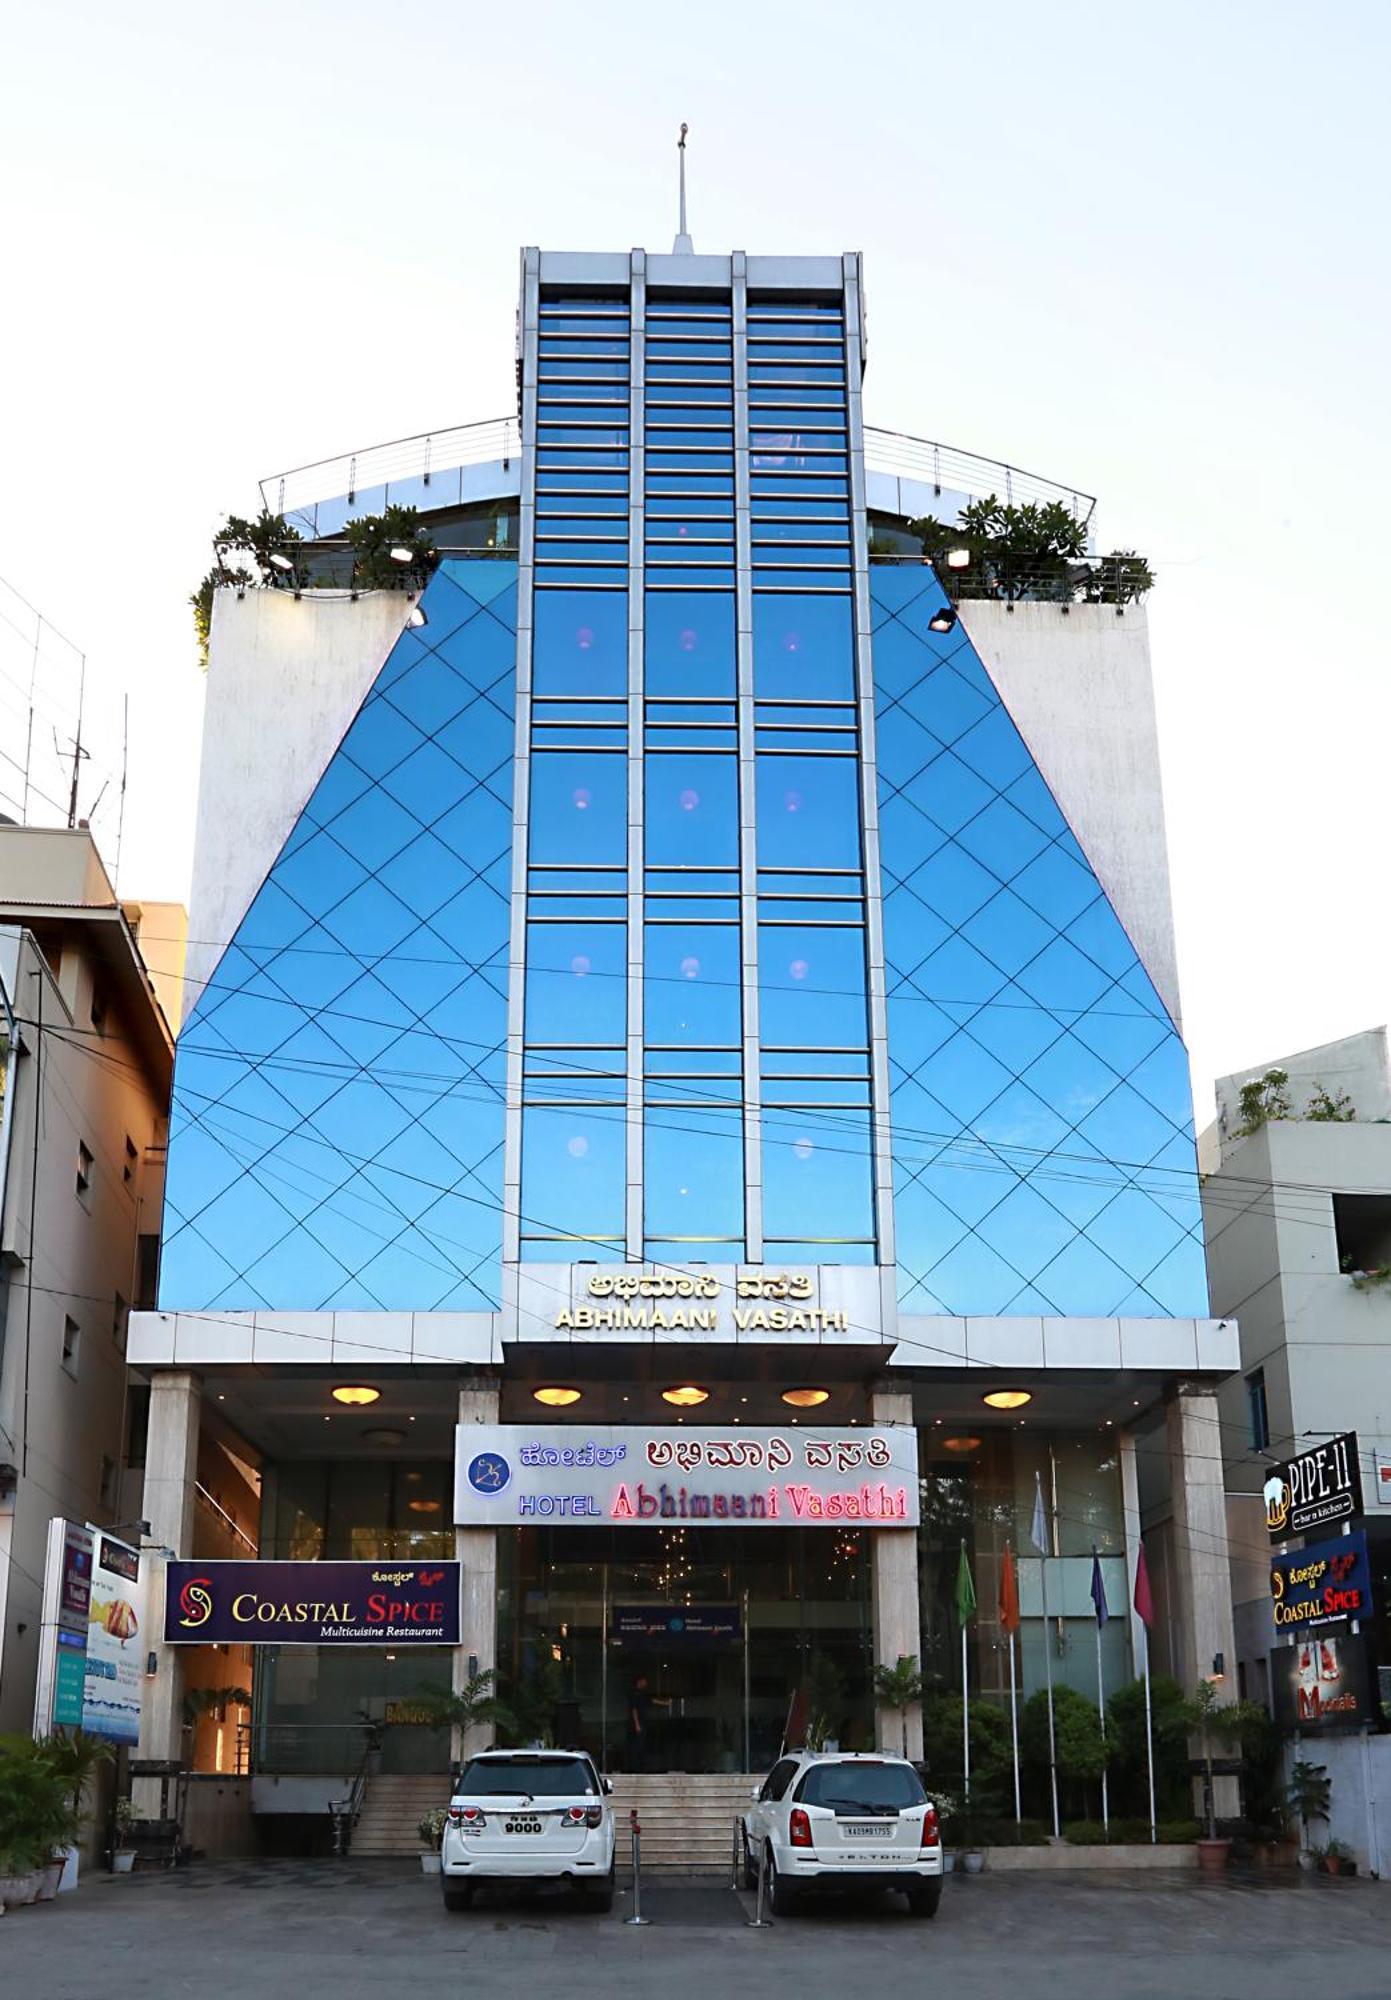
(574, 1071)
(693, 1147)
(813, 1008)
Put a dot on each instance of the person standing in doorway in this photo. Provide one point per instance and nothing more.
(639, 1708)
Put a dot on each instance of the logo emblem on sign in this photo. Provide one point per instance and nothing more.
(195, 1601)
(489, 1472)
(1277, 1502)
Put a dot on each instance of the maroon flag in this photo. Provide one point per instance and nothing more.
(1144, 1600)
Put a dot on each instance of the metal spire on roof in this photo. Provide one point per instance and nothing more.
(683, 246)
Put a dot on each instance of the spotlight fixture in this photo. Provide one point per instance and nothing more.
(1008, 1399)
(399, 552)
(686, 1395)
(417, 617)
(943, 620)
(356, 1395)
(961, 1444)
(958, 558)
(280, 560)
(806, 1399)
(555, 1395)
(424, 1506)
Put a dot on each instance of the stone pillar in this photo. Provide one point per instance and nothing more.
(476, 1550)
(897, 1623)
(171, 1472)
(1202, 1593)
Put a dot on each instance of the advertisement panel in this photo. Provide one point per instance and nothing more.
(687, 1627)
(1316, 1489)
(1325, 1582)
(1323, 1683)
(115, 1672)
(312, 1604)
(632, 1477)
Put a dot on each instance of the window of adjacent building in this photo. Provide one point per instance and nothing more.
(146, 1272)
(84, 1168)
(1256, 1410)
(120, 1320)
(1362, 1223)
(72, 1341)
(107, 1488)
(132, 1160)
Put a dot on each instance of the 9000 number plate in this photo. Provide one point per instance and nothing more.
(522, 1826)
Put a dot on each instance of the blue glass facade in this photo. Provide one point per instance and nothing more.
(337, 1129)
(703, 1020)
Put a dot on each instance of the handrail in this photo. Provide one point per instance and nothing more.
(202, 1493)
(430, 456)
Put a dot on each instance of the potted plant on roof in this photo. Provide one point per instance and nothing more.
(431, 1831)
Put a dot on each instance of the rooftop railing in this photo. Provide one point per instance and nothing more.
(379, 474)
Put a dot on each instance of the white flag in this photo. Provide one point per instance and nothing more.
(1038, 1533)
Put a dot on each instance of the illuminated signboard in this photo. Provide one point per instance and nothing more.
(312, 1604)
(1316, 1489)
(1325, 1582)
(1323, 1683)
(516, 1474)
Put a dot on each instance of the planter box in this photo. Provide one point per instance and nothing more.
(1058, 1857)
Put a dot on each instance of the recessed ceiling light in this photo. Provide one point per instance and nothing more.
(806, 1399)
(384, 1436)
(961, 1444)
(556, 1396)
(356, 1395)
(1008, 1399)
(425, 1506)
(686, 1395)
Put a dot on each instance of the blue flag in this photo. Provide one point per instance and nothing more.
(1098, 1591)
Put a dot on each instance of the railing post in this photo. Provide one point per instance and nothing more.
(637, 1916)
(758, 1922)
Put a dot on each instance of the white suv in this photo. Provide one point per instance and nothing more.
(529, 1816)
(835, 1819)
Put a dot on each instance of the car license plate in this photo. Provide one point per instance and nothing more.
(867, 1830)
(522, 1826)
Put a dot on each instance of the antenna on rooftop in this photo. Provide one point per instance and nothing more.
(683, 246)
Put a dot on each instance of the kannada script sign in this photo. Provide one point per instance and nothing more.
(312, 1603)
(629, 1476)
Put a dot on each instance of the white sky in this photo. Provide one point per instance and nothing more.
(1142, 249)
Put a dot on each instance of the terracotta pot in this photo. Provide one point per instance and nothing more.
(1213, 1856)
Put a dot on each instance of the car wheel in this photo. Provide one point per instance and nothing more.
(458, 1895)
(750, 1865)
(782, 1897)
(599, 1896)
(924, 1897)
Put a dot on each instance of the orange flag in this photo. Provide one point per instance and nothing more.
(1009, 1593)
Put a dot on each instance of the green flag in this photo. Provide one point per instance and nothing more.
(965, 1590)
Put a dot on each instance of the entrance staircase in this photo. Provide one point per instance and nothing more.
(687, 1817)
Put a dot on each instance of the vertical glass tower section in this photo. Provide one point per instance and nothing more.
(691, 1048)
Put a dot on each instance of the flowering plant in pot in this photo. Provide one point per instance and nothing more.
(431, 1832)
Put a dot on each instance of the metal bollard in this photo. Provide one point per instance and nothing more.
(736, 1855)
(637, 1916)
(758, 1922)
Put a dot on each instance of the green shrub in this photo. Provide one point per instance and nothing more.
(1019, 1833)
(1083, 1832)
(1177, 1832)
(36, 1815)
(991, 1757)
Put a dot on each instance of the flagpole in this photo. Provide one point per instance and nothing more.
(1014, 1728)
(1101, 1704)
(1149, 1733)
(965, 1716)
(1048, 1682)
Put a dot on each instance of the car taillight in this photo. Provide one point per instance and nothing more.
(799, 1828)
(467, 1816)
(931, 1832)
(575, 1814)
(594, 1815)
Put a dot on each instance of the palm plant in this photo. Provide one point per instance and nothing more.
(1215, 1721)
(898, 1687)
(466, 1707)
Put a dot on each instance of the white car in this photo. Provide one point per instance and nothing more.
(529, 1816)
(830, 1819)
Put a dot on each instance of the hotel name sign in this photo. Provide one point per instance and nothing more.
(752, 1301)
(629, 1476)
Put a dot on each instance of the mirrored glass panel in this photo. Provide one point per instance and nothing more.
(579, 806)
(692, 810)
(803, 647)
(691, 989)
(693, 1173)
(689, 642)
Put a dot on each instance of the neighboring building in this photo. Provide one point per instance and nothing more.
(1297, 1209)
(86, 1055)
(679, 905)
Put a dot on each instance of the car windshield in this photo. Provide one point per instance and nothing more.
(862, 1787)
(536, 1777)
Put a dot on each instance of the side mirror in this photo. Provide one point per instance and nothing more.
(756, 1792)
(607, 1784)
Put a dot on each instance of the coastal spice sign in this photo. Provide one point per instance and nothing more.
(627, 1476)
(312, 1604)
(1317, 1489)
(1325, 1582)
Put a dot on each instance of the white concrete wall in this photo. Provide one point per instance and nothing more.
(1359, 1770)
(1357, 1065)
(285, 680)
(1080, 690)
(1324, 1345)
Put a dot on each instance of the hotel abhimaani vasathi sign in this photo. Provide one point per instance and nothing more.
(629, 1476)
(720, 1302)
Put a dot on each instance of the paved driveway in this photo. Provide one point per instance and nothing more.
(330, 1931)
